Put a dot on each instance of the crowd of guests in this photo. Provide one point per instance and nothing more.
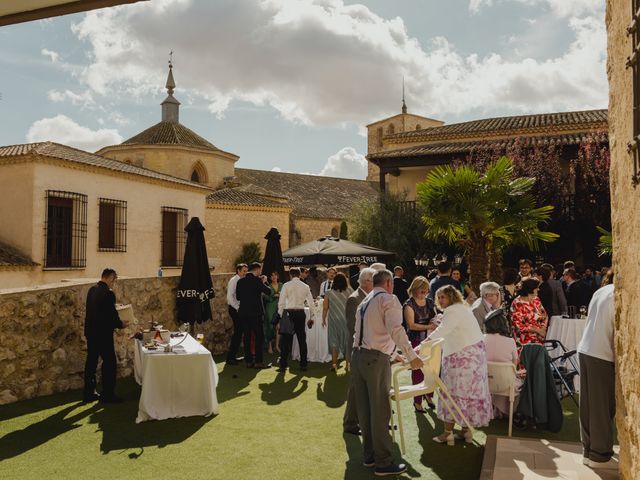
(376, 317)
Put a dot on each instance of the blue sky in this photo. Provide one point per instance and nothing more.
(290, 84)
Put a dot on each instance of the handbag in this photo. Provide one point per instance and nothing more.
(286, 324)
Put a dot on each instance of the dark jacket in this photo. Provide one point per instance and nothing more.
(400, 287)
(101, 314)
(578, 294)
(552, 297)
(249, 290)
(441, 281)
(538, 397)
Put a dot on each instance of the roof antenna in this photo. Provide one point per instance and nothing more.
(404, 105)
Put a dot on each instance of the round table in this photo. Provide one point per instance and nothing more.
(317, 337)
(569, 332)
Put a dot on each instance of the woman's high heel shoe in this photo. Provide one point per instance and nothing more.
(446, 437)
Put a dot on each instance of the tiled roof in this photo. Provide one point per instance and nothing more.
(445, 148)
(63, 152)
(235, 196)
(312, 196)
(255, 189)
(10, 257)
(170, 133)
(502, 125)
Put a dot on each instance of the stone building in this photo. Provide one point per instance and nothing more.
(623, 30)
(68, 213)
(245, 203)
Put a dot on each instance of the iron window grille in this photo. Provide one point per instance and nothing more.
(65, 230)
(112, 225)
(174, 237)
(633, 62)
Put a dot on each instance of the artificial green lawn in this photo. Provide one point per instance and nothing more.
(270, 426)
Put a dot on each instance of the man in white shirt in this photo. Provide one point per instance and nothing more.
(234, 306)
(597, 382)
(377, 332)
(293, 296)
(328, 283)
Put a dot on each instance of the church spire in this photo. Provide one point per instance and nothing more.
(170, 106)
(404, 105)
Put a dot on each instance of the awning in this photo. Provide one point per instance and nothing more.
(334, 251)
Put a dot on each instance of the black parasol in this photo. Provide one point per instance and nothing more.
(334, 251)
(273, 261)
(195, 288)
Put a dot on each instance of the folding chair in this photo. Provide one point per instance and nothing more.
(502, 381)
(431, 355)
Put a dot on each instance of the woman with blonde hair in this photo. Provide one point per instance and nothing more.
(418, 312)
(464, 365)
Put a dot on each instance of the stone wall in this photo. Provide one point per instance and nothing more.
(311, 229)
(229, 228)
(42, 346)
(625, 203)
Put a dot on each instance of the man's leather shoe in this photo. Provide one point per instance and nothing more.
(353, 431)
(261, 366)
(112, 399)
(282, 370)
(392, 469)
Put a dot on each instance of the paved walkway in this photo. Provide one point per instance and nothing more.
(529, 459)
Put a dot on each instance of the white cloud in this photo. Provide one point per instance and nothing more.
(64, 130)
(54, 56)
(83, 99)
(562, 8)
(321, 62)
(276, 169)
(346, 163)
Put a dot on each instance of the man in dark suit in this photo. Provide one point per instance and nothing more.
(400, 285)
(354, 280)
(578, 293)
(100, 321)
(249, 290)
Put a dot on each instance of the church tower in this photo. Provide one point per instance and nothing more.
(380, 133)
(170, 147)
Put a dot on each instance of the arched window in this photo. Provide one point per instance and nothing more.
(380, 134)
(335, 232)
(391, 129)
(418, 127)
(199, 173)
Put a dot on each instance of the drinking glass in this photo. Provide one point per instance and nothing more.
(583, 311)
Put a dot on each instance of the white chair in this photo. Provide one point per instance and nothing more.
(502, 381)
(431, 355)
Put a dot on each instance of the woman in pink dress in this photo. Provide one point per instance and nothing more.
(464, 365)
(501, 347)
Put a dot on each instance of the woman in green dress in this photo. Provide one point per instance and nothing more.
(334, 314)
(270, 308)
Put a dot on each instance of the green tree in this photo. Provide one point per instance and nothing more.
(344, 231)
(250, 253)
(392, 224)
(605, 243)
(482, 212)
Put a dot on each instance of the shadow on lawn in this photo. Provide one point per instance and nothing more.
(279, 390)
(333, 392)
(20, 441)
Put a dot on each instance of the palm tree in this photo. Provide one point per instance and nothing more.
(481, 210)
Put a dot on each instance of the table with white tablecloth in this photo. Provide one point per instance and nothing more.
(569, 332)
(176, 384)
(317, 338)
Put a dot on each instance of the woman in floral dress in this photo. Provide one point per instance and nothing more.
(528, 316)
(464, 365)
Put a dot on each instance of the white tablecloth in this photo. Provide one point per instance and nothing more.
(176, 384)
(317, 338)
(569, 331)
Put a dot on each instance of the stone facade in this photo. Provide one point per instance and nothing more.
(625, 204)
(177, 160)
(310, 229)
(376, 132)
(229, 228)
(42, 345)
